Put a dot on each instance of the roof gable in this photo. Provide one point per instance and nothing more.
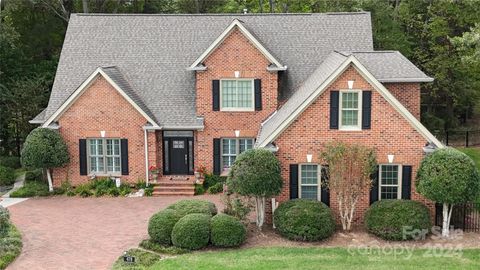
(115, 78)
(236, 24)
(312, 89)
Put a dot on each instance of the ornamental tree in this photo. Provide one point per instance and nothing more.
(256, 173)
(449, 177)
(350, 168)
(44, 148)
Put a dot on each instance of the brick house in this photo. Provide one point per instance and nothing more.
(182, 91)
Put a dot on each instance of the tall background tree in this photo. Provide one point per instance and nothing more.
(438, 36)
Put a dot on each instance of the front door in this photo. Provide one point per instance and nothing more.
(179, 156)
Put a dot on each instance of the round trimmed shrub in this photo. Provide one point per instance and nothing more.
(227, 231)
(304, 220)
(7, 176)
(161, 224)
(4, 221)
(185, 207)
(192, 231)
(388, 218)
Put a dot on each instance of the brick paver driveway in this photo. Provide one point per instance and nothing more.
(83, 233)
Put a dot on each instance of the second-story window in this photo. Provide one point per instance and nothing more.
(236, 95)
(350, 110)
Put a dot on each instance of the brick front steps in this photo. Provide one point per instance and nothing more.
(174, 186)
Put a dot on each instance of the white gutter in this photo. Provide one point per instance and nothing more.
(146, 155)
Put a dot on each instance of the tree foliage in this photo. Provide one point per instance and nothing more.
(350, 168)
(44, 148)
(440, 37)
(449, 177)
(256, 173)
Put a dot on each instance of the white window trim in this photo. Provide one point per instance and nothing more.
(237, 149)
(340, 108)
(399, 182)
(238, 109)
(319, 180)
(105, 167)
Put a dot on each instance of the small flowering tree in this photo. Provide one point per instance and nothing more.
(350, 167)
(256, 173)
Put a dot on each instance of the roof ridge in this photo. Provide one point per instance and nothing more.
(218, 14)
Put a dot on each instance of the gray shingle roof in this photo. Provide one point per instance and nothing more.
(117, 76)
(153, 52)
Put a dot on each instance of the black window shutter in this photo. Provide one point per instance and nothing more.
(366, 109)
(374, 190)
(406, 182)
(216, 156)
(258, 94)
(216, 95)
(82, 143)
(293, 181)
(124, 155)
(334, 95)
(325, 193)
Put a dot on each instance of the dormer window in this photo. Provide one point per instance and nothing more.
(237, 95)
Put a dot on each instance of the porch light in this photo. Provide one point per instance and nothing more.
(350, 84)
(237, 133)
(237, 74)
(309, 158)
(102, 133)
(390, 158)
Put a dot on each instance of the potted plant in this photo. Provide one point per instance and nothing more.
(154, 171)
(200, 174)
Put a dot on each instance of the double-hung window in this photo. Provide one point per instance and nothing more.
(350, 109)
(309, 181)
(104, 156)
(231, 148)
(390, 181)
(237, 95)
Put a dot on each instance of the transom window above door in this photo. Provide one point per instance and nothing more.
(231, 148)
(390, 182)
(104, 156)
(237, 95)
(350, 110)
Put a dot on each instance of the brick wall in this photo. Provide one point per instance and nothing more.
(408, 94)
(99, 108)
(390, 133)
(236, 53)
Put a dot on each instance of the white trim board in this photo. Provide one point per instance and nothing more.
(221, 38)
(370, 79)
(84, 86)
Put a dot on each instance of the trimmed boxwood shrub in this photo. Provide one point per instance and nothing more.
(4, 221)
(192, 231)
(387, 218)
(227, 231)
(185, 207)
(304, 220)
(7, 176)
(161, 225)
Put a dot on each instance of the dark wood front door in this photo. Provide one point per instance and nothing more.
(179, 156)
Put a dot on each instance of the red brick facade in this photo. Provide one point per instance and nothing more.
(236, 53)
(390, 133)
(101, 107)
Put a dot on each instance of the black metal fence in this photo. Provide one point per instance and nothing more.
(460, 138)
(464, 216)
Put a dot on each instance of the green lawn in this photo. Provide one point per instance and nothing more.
(313, 258)
(474, 153)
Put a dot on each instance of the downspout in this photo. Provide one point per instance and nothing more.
(146, 156)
